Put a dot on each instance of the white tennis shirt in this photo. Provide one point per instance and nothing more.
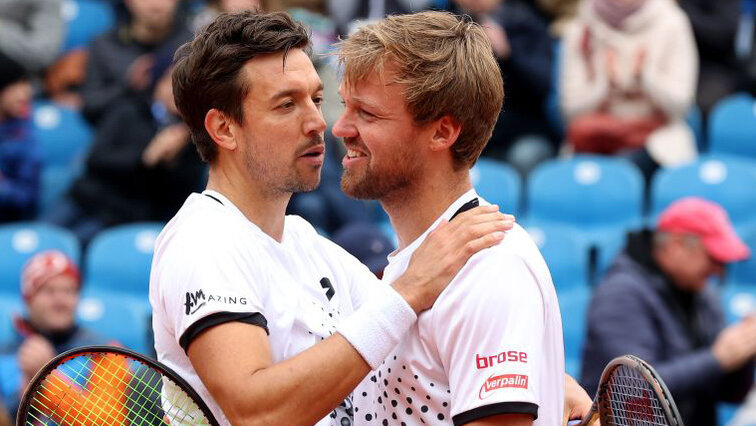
(491, 344)
(212, 265)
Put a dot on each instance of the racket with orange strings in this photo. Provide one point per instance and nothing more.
(104, 385)
(631, 393)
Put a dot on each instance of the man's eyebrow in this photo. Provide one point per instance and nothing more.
(292, 92)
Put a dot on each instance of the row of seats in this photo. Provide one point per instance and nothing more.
(116, 271)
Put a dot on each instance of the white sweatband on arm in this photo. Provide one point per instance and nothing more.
(376, 328)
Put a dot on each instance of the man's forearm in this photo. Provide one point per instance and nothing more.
(299, 390)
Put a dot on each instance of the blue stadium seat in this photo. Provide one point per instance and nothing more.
(116, 316)
(54, 182)
(727, 180)
(498, 183)
(574, 306)
(62, 133)
(9, 307)
(598, 197)
(118, 259)
(732, 126)
(607, 251)
(566, 254)
(19, 241)
(85, 20)
(695, 121)
(739, 300)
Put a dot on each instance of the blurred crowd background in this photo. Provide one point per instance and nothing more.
(614, 109)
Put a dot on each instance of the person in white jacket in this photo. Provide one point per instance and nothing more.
(628, 77)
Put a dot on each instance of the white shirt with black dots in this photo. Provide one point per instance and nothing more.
(491, 344)
(212, 265)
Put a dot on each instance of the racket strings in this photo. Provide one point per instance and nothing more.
(110, 389)
(632, 400)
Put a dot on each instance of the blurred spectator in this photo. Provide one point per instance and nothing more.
(213, 8)
(715, 25)
(347, 15)
(655, 302)
(628, 80)
(561, 11)
(19, 154)
(140, 166)
(64, 78)
(120, 60)
(368, 244)
(524, 50)
(50, 284)
(31, 31)
(4, 417)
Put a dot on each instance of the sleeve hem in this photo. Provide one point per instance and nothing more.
(218, 318)
(494, 410)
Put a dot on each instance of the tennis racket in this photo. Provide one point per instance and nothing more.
(631, 393)
(104, 385)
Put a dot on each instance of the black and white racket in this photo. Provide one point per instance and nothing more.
(104, 385)
(631, 393)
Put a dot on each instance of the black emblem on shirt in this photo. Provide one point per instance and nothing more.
(193, 301)
(326, 284)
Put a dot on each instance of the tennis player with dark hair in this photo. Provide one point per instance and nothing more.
(422, 94)
(270, 322)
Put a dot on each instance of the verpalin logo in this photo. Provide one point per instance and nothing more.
(494, 383)
(192, 301)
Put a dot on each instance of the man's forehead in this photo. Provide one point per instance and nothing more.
(274, 70)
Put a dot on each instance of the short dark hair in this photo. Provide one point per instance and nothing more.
(206, 70)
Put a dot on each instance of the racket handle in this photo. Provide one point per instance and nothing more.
(574, 422)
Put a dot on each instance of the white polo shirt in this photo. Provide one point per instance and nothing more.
(211, 265)
(491, 344)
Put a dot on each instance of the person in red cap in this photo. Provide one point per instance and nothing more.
(50, 284)
(655, 302)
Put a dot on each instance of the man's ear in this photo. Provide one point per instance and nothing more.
(446, 131)
(221, 129)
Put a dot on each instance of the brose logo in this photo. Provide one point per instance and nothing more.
(495, 383)
(197, 299)
(483, 362)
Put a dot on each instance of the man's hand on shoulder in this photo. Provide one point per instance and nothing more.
(446, 250)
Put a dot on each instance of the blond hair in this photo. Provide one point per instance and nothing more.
(446, 65)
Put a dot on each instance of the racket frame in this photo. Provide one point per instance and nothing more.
(600, 409)
(165, 371)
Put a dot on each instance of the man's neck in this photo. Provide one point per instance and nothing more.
(415, 209)
(264, 208)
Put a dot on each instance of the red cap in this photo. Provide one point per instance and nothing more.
(44, 266)
(708, 221)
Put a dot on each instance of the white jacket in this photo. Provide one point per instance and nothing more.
(667, 81)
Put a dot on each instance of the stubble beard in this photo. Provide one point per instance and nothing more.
(378, 185)
(289, 180)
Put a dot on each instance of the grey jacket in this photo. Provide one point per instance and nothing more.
(636, 311)
(31, 31)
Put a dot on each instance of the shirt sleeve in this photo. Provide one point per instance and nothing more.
(209, 283)
(489, 332)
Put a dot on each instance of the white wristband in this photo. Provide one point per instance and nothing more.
(376, 328)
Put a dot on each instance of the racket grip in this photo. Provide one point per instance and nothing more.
(574, 422)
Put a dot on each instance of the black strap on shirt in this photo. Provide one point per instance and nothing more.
(467, 206)
(494, 410)
(208, 195)
(218, 318)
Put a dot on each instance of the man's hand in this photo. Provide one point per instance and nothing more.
(166, 145)
(736, 344)
(446, 250)
(577, 403)
(33, 354)
(138, 74)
